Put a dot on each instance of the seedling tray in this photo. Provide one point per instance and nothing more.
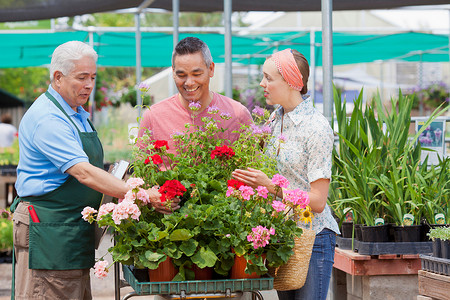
(196, 286)
(435, 264)
(370, 248)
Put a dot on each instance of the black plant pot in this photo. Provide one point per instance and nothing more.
(436, 248)
(407, 233)
(375, 234)
(391, 235)
(425, 230)
(358, 232)
(140, 274)
(445, 249)
(346, 229)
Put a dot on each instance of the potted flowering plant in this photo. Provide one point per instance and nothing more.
(212, 219)
(261, 229)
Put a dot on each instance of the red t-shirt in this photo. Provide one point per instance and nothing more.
(169, 116)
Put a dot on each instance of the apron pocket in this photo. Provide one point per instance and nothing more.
(61, 246)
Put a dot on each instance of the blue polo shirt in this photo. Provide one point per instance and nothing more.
(49, 145)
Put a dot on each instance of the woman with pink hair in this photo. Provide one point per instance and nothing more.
(302, 145)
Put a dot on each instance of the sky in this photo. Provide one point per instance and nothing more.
(412, 18)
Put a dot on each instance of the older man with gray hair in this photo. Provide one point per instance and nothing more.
(60, 172)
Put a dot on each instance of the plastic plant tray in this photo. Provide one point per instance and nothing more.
(435, 264)
(197, 286)
(370, 248)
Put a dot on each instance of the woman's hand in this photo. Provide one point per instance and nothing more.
(160, 207)
(252, 177)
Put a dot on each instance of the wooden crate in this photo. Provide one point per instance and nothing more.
(434, 285)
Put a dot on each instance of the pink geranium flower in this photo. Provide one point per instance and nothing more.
(278, 206)
(246, 192)
(125, 210)
(262, 191)
(88, 213)
(143, 196)
(105, 209)
(260, 236)
(280, 181)
(134, 182)
(100, 269)
(296, 197)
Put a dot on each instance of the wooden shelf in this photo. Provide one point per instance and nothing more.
(386, 264)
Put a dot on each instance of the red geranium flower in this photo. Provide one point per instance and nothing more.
(171, 189)
(161, 143)
(157, 159)
(235, 184)
(147, 160)
(222, 152)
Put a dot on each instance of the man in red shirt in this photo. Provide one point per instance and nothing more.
(193, 68)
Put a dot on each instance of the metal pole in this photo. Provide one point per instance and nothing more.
(227, 5)
(176, 21)
(327, 57)
(137, 21)
(381, 81)
(312, 63)
(92, 95)
(449, 39)
(176, 36)
(420, 83)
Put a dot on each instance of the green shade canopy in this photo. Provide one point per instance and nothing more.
(118, 48)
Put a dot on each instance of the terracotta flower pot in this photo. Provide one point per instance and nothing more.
(166, 271)
(202, 274)
(238, 269)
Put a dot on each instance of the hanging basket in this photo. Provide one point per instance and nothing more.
(292, 275)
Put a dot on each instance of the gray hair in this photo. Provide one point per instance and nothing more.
(191, 45)
(65, 54)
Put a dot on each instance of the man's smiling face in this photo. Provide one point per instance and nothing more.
(192, 76)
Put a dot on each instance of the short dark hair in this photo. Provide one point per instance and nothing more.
(191, 45)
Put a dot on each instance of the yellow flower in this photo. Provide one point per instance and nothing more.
(306, 215)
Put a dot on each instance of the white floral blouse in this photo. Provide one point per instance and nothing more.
(305, 156)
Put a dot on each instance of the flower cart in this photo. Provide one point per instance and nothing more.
(220, 220)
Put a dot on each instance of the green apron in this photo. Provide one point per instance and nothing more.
(63, 240)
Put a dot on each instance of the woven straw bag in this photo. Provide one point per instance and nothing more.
(292, 275)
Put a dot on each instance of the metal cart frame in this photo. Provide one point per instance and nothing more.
(228, 288)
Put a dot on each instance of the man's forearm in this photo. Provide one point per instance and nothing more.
(98, 180)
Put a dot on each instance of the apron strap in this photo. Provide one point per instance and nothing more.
(14, 204)
(51, 98)
(13, 281)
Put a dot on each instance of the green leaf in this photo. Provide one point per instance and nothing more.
(180, 235)
(153, 256)
(189, 247)
(204, 258)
